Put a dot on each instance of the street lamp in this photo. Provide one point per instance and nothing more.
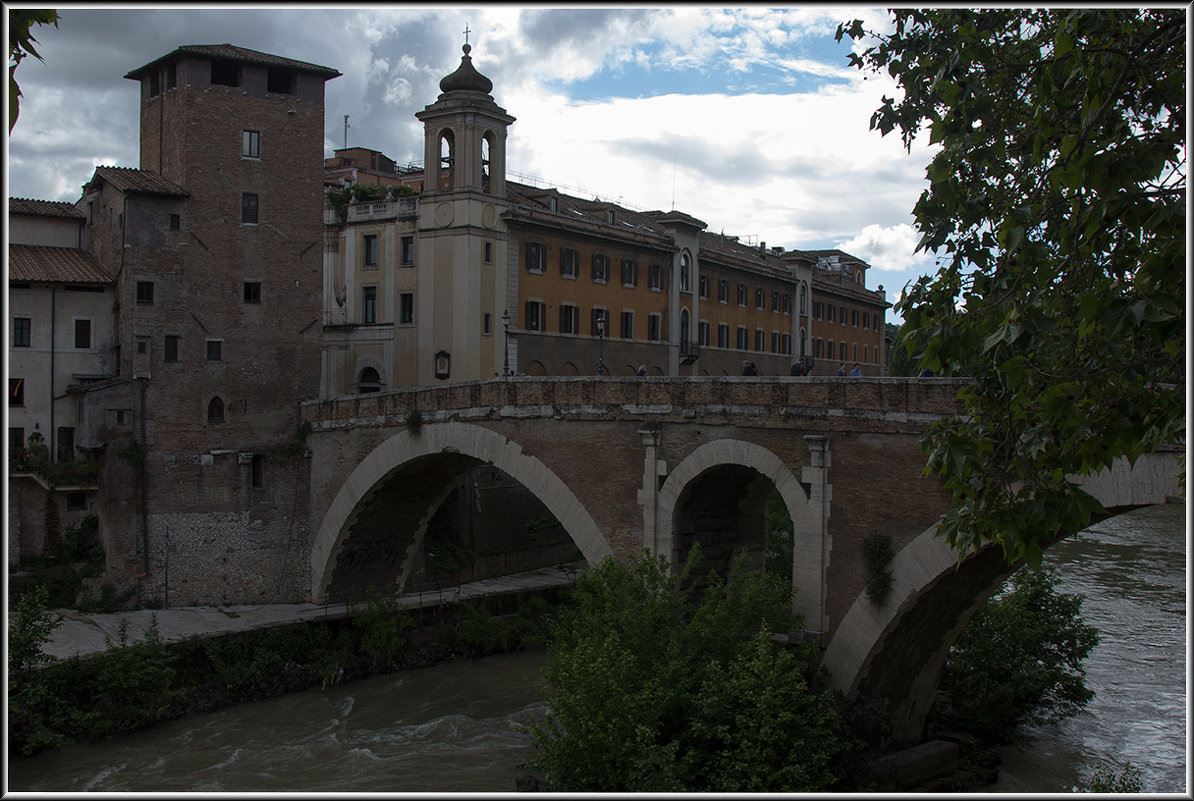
(601, 342)
(506, 328)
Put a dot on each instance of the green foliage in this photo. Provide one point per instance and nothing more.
(20, 45)
(414, 422)
(364, 193)
(877, 554)
(1019, 661)
(780, 534)
(29, 699)
(657, 686)
(1056, 205)
(383, 624)
(82, 542)
(1105, 779)
(132, 686)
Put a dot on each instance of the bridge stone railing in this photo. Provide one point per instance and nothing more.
(829, 402)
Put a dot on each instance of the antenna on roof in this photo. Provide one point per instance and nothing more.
(673, 181)
(346, 132)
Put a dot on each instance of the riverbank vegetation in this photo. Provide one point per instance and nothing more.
(137, 683)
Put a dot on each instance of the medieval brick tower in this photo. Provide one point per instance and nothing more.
(216, 245)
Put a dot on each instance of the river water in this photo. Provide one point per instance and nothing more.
(455, 727)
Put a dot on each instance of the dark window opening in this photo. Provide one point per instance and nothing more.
(76, 501)
(215, 411)
(225, 73)
(170, 349)
(215, 350)
(82, 334)
(369, 241)
(171, 75)
(145, 291)
(369, 381)
(280, 80)
(370, 305)
(406, 308)
(175, 222)
(16, 392)
(22, 332)
(248, 208)
(154, 84)
(250, 145)
(252, 292)
(258, 467)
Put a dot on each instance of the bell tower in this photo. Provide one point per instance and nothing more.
(462, 238)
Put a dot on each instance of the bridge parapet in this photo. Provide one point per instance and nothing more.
(817, 402)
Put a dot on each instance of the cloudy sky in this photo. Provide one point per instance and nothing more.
(748, 118)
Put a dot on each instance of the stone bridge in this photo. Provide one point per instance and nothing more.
(656, 464)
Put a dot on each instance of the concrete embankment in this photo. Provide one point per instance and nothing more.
(85, 633)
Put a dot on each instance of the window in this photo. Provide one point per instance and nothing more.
(488, 257)
(369, 250)
(142, 347)
(787, 302)
(215, 410)
(487, 324)
(368, 381)
(553, 204)
(153, 84)
(280, 80)
(702, 333)
(82, 334)
(775, 342)
(866, 319)
(171, 75)
(685, 274)
(248, 208)
(803, 298)
(76, 501)
(569, 319)
(629, 272)
(655, 277)
(654, 324)
(760, 340)
(22, 332)
(609, 217)
(406, 308)
(253, 292)
(224, 72)
(875, 322)
(785, 344)
(599, 323)
(723, 335)
(829, 349)
(865, 353)
(569, 262)
(170, 349)
(830, 312)
(535, 314)
(408, 250)
(818, 310)
(627, 324)
(175, 222)
(854, 349)
(760, 298)
(145, 291)
(743, 338)
(535, 257)
(854, 317)
(774, 301)
(685, 344)
(66, 443)
(600, 268)
(742, 293)
(723, 290)
(369, 305)
(818, 348)
(16, 392)
(250, 146)
(703, 287)
(16, 440)
(215, 350)
(258, 471)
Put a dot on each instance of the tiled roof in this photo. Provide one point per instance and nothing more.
(130, 179)
(240, 54)
(44, 208)
(38, 264)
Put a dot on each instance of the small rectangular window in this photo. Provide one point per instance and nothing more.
(653, 326)
(599, 323)
(408, 249)
(655, 276)
(171, 75)
(629, 273)
(280, 80)
(775, 301)
(743, 338)
(76, 501)
(369, 250)
(82, 334)
(369, 305)
(487, 324)
(760, 298)
(154, 86)
(760, 340)
(742, 294)
(248, 208)
(703, 287)
(215, 350)
(488, 252)
(600, 268)
(22, 332)
(225, 72)
(170, 348)
(534, 316)
(723, 291)
(723, 335)
(406, 308)
(175, 222)
(702, 333)
(569, 263)
(787, 303)
(775, 342)
(258, 468)
(251, 144)
(627, 324)
(145, 291)
(252, 292)
(569, 319)
(535, 257)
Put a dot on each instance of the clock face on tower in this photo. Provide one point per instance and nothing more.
(489, 216)
(444, 214)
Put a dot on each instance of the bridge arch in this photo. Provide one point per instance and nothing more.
(434, 456)
(749, 471)
(898, 650)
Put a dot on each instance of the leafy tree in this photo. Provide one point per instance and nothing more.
(1106, 779)
(1019, 660)
(20, 45)
(1056, 205)
(656, 686)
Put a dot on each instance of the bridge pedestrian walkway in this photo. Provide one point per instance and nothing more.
(83, 633)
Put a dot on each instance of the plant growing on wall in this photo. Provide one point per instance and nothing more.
(877, 554)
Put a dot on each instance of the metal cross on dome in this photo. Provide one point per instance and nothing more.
(466, 32)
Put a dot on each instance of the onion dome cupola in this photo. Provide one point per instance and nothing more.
(464, 133)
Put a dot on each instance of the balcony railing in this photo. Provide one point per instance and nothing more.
(403, 208)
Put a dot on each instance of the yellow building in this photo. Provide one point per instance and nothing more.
(477, 275)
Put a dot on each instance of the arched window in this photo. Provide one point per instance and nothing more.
(369, 381)
(803, 296)
(685, 273)
(803, 342)
(447, 159)
(486, 160)
(684, 328)
(215, 410)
